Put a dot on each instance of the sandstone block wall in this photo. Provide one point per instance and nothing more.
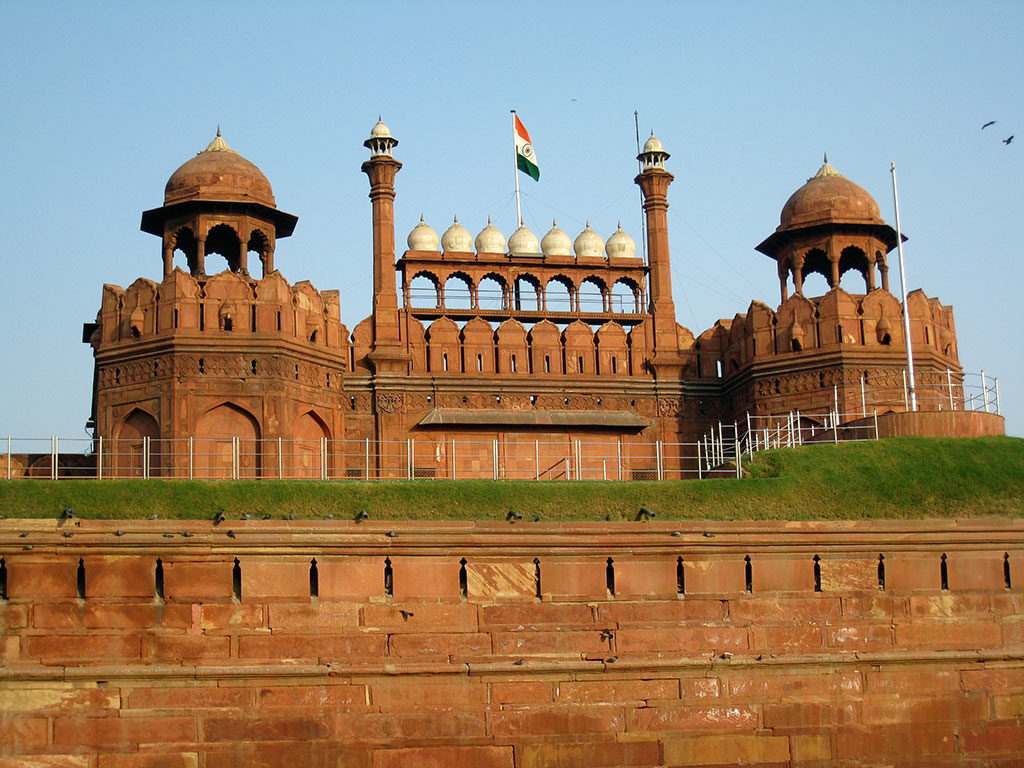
(515, 646)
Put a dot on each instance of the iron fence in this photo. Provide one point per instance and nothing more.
(718, 453)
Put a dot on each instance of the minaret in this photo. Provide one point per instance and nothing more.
(654, 180)
(381, 169)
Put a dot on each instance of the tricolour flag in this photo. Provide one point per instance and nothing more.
(526, 158)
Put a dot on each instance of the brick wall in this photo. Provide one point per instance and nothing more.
(427, 644)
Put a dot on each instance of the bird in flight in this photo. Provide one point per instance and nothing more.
(1007, 141)
(986, 125)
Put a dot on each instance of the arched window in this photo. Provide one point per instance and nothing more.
(423, 291)
(223, 240)
(458, 292)
(259, 244)
(816, 263)
(184, 244)
(490, 293)
(852, 259)
(558, 295)
(591, 295)
(526, 294)
(625, 297)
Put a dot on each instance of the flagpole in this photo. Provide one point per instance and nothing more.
(515, 171)
(903, 290)
(640, 168)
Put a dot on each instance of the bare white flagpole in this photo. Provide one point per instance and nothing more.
(640, 168)
(903, 290)
(515, 170)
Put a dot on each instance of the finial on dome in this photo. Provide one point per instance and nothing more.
(825, 170)
(456, 219)
(218, 144)
(218, 129)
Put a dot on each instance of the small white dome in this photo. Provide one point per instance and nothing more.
(556, 242)
(490, 239)
(422, 238)
(620, 245)
(456, 238)
(588, 244)
(653, 145)
(523, 241)
(380, 131)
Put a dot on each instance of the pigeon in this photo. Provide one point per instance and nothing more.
(29, 546)
(68, 534)
(231, 534)
(1007, 140)
(986, 125)
(291, 514)
(677, 533)
(246, 516)
(363, 515)
(330, 515)
(119, 533)
(187, 534)
(519, 663)
(708, 535)
(266, 516)
(23, 535)
(154, 516)
(607, 635)
(406, 614)
(726, 656)
(612, 660)
(220, 518)
(168, 535)
(69, 512)
(391, 534)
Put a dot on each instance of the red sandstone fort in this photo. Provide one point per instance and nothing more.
(370, 644)
(491, 346)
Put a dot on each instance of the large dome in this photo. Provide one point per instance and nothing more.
(828, 197)
(218, 173)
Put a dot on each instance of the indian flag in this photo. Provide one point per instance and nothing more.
(526, 158)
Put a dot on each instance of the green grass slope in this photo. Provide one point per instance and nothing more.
(888, 479)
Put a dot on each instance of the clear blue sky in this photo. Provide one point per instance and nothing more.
(103, 101)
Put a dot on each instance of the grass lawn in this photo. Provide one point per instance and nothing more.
(887, 479)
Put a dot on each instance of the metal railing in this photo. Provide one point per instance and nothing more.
(718, 453)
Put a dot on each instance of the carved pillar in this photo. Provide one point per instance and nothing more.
(168, 259)
(884, 269)
(243, 258)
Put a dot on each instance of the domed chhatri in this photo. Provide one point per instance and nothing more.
(490, 239)
(422, 237)
(220, 174)
(588, 244)
(556, 242)
(456, 239)
(523, 241)
(829, 197)
(380, 130)
(620, 245)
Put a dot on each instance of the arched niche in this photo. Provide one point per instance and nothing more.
(129, 445)
(308, 435)
(213, 445)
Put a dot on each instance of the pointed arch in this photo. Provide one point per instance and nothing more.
(308, 434)
(129, 439)
(215, 452)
